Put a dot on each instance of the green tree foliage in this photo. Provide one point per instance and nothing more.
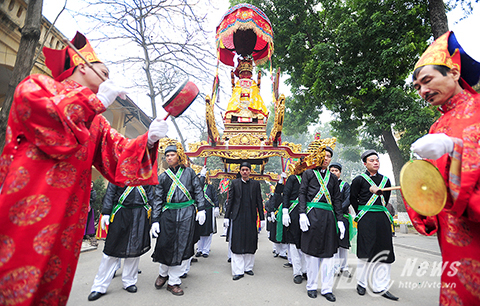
(100, 188)
(353, 57)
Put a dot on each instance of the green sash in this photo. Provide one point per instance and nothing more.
(324, 206)
(176, 183)
(279, 219)
(207, 198)
(377, 208)
(124, 195)
(369, 206)
(342, 184)
(323, 187)
(351, 228)
(177, 205)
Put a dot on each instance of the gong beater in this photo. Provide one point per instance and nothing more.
(422, 187)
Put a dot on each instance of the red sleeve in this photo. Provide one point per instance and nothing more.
(121, 160)
(56, 120)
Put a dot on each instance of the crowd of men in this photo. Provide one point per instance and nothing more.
(55, 134)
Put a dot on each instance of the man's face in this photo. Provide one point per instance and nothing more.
(436, 88)
(328, 159)
(335, 171)
(245, 173)
(172, 159)
(372, 163)
(92, 80)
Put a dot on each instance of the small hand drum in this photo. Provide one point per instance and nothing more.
(180, 98)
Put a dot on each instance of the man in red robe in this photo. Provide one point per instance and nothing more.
(55, 134)
(443, 77)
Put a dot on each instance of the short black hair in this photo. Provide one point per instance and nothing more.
(440, 68)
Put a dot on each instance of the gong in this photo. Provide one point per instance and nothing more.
(423, 187)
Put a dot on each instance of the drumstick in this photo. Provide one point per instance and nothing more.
(391, 188)
(378, 191)
(102, 77)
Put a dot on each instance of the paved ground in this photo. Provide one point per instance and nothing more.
(415, 279)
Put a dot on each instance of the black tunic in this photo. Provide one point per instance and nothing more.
(374, 228)
(128, 234)
(273, 203)
(244, 202)
(210, 225)
(292, 233)
(321, 240)
(177, 226)
(345, 195)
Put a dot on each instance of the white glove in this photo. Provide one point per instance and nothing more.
(108, 92)
(158, 129)
(201, 216)
(341, 228)
(203, 172)
(272, 216)
(284, 175)
(304, 223)
(155, 229)
(105, 221)
(285, 217)
(262, 224)
(433, 146)
(268, 218)
(226, 222)
(216, 212)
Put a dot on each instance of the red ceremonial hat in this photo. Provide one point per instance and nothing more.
(62, 62)
(446, 51)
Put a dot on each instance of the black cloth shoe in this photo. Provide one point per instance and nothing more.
(95, 295)
(249, 272)
(229, 260)
(139, 271)
(312, 294)
(330, 297)
(389, 296)
(131, 289)
(298, 279)
(205, 255)
(283, 256)
(194, 260)
(184, 275)
(361, 290)
(275, 255)
(287, 265)
(304, 275)
(237, 277)
(198, 254)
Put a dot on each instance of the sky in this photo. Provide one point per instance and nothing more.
(464, 29)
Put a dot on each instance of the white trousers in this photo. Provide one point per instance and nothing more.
(297, 260)
(173, 272)
(187, 266)
(242, 263)
(314, 265)
(377, 274)
(203, 245)
(107, 268)
(280, 248)
(341, 260)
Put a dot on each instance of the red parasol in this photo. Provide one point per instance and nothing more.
(244, 30)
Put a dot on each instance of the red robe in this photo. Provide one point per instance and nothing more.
(54, 136)
(458, 224)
